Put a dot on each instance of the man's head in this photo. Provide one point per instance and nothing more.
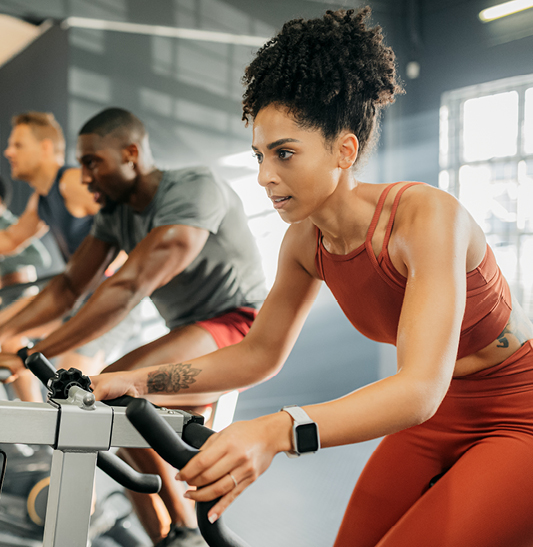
(36, 141)
(113, 150)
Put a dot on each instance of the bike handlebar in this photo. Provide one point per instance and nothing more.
(109, 463)
(168, 444)
(41, 367)
(126, 476)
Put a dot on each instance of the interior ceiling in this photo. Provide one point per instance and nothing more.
(276, 10)
(15, 36)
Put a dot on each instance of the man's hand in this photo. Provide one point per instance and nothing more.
(12, 362)
(111, 385)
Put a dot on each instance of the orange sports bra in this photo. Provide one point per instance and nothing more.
(370, 290)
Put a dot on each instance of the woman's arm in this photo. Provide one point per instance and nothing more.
(260, 354)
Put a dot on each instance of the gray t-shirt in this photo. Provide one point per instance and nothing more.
(227, 273)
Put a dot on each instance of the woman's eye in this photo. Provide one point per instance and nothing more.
(285, 154)
(257, 156)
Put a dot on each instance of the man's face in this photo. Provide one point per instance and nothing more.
(105, 169)
(24, 152)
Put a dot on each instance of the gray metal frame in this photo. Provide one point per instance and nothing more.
(77, 428)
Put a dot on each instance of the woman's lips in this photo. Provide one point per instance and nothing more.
(280, 201)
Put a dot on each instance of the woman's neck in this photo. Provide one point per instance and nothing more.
(345, 221)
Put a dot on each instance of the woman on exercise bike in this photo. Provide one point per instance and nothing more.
(408, 266)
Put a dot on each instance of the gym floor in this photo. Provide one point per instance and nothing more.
(301, 501)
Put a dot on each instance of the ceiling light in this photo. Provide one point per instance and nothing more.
(171, 32)
(502, 10)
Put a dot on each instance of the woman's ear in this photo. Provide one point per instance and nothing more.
(348, 147)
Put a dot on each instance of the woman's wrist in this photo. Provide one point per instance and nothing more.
(139, 381)
(278, 431)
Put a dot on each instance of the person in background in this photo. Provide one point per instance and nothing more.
(18, 268)
(22, 266)
(409, 266)
(61, 204)
(189, 249)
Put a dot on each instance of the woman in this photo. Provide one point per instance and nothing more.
(409, 266)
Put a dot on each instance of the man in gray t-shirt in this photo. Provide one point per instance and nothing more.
(226, 273)
(189, 248)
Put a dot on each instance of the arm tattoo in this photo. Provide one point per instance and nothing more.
(171, 378)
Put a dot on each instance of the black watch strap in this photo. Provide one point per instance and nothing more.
(23, 354)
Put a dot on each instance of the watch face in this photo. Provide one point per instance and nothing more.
(307, 435)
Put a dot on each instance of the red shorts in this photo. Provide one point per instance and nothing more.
(230, 328)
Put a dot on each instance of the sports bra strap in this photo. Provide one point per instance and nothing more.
(377, 213)
(388, 231)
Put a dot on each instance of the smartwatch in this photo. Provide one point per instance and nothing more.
(304, 432)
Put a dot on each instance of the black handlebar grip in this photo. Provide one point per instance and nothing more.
(158, 433)
(164, 440)
(216, 534)
(41, 367)
(127, 477)
(196, 434)
(123, 400)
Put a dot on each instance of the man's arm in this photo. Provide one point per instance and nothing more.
(78, 200)
(84, 269)
(164, 253)
(257, 357)
(17, 236)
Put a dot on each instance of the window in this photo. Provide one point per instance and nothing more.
(486, 160)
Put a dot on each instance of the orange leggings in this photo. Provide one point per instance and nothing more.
(482, 436)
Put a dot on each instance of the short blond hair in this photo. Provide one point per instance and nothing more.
(43, 125)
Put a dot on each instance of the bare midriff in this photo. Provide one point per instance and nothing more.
(516, 333)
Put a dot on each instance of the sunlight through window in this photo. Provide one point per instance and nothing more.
(488, 131)
(490, 127)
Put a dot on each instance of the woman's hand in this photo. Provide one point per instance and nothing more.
(12, 362)
(233, 459)
(111, 385)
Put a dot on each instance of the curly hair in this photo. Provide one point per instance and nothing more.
(331, 74)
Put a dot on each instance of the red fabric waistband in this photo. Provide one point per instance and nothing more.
(512, 375)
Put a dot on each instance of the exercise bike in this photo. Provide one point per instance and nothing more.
(79, 431)
(24, 499)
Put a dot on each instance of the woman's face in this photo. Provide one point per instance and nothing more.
(296, 168)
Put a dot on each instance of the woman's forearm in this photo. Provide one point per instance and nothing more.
(382, 408)
(226, 369)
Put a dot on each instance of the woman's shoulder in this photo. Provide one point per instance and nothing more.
(429, 215)
(423, 201)
(300, 244)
